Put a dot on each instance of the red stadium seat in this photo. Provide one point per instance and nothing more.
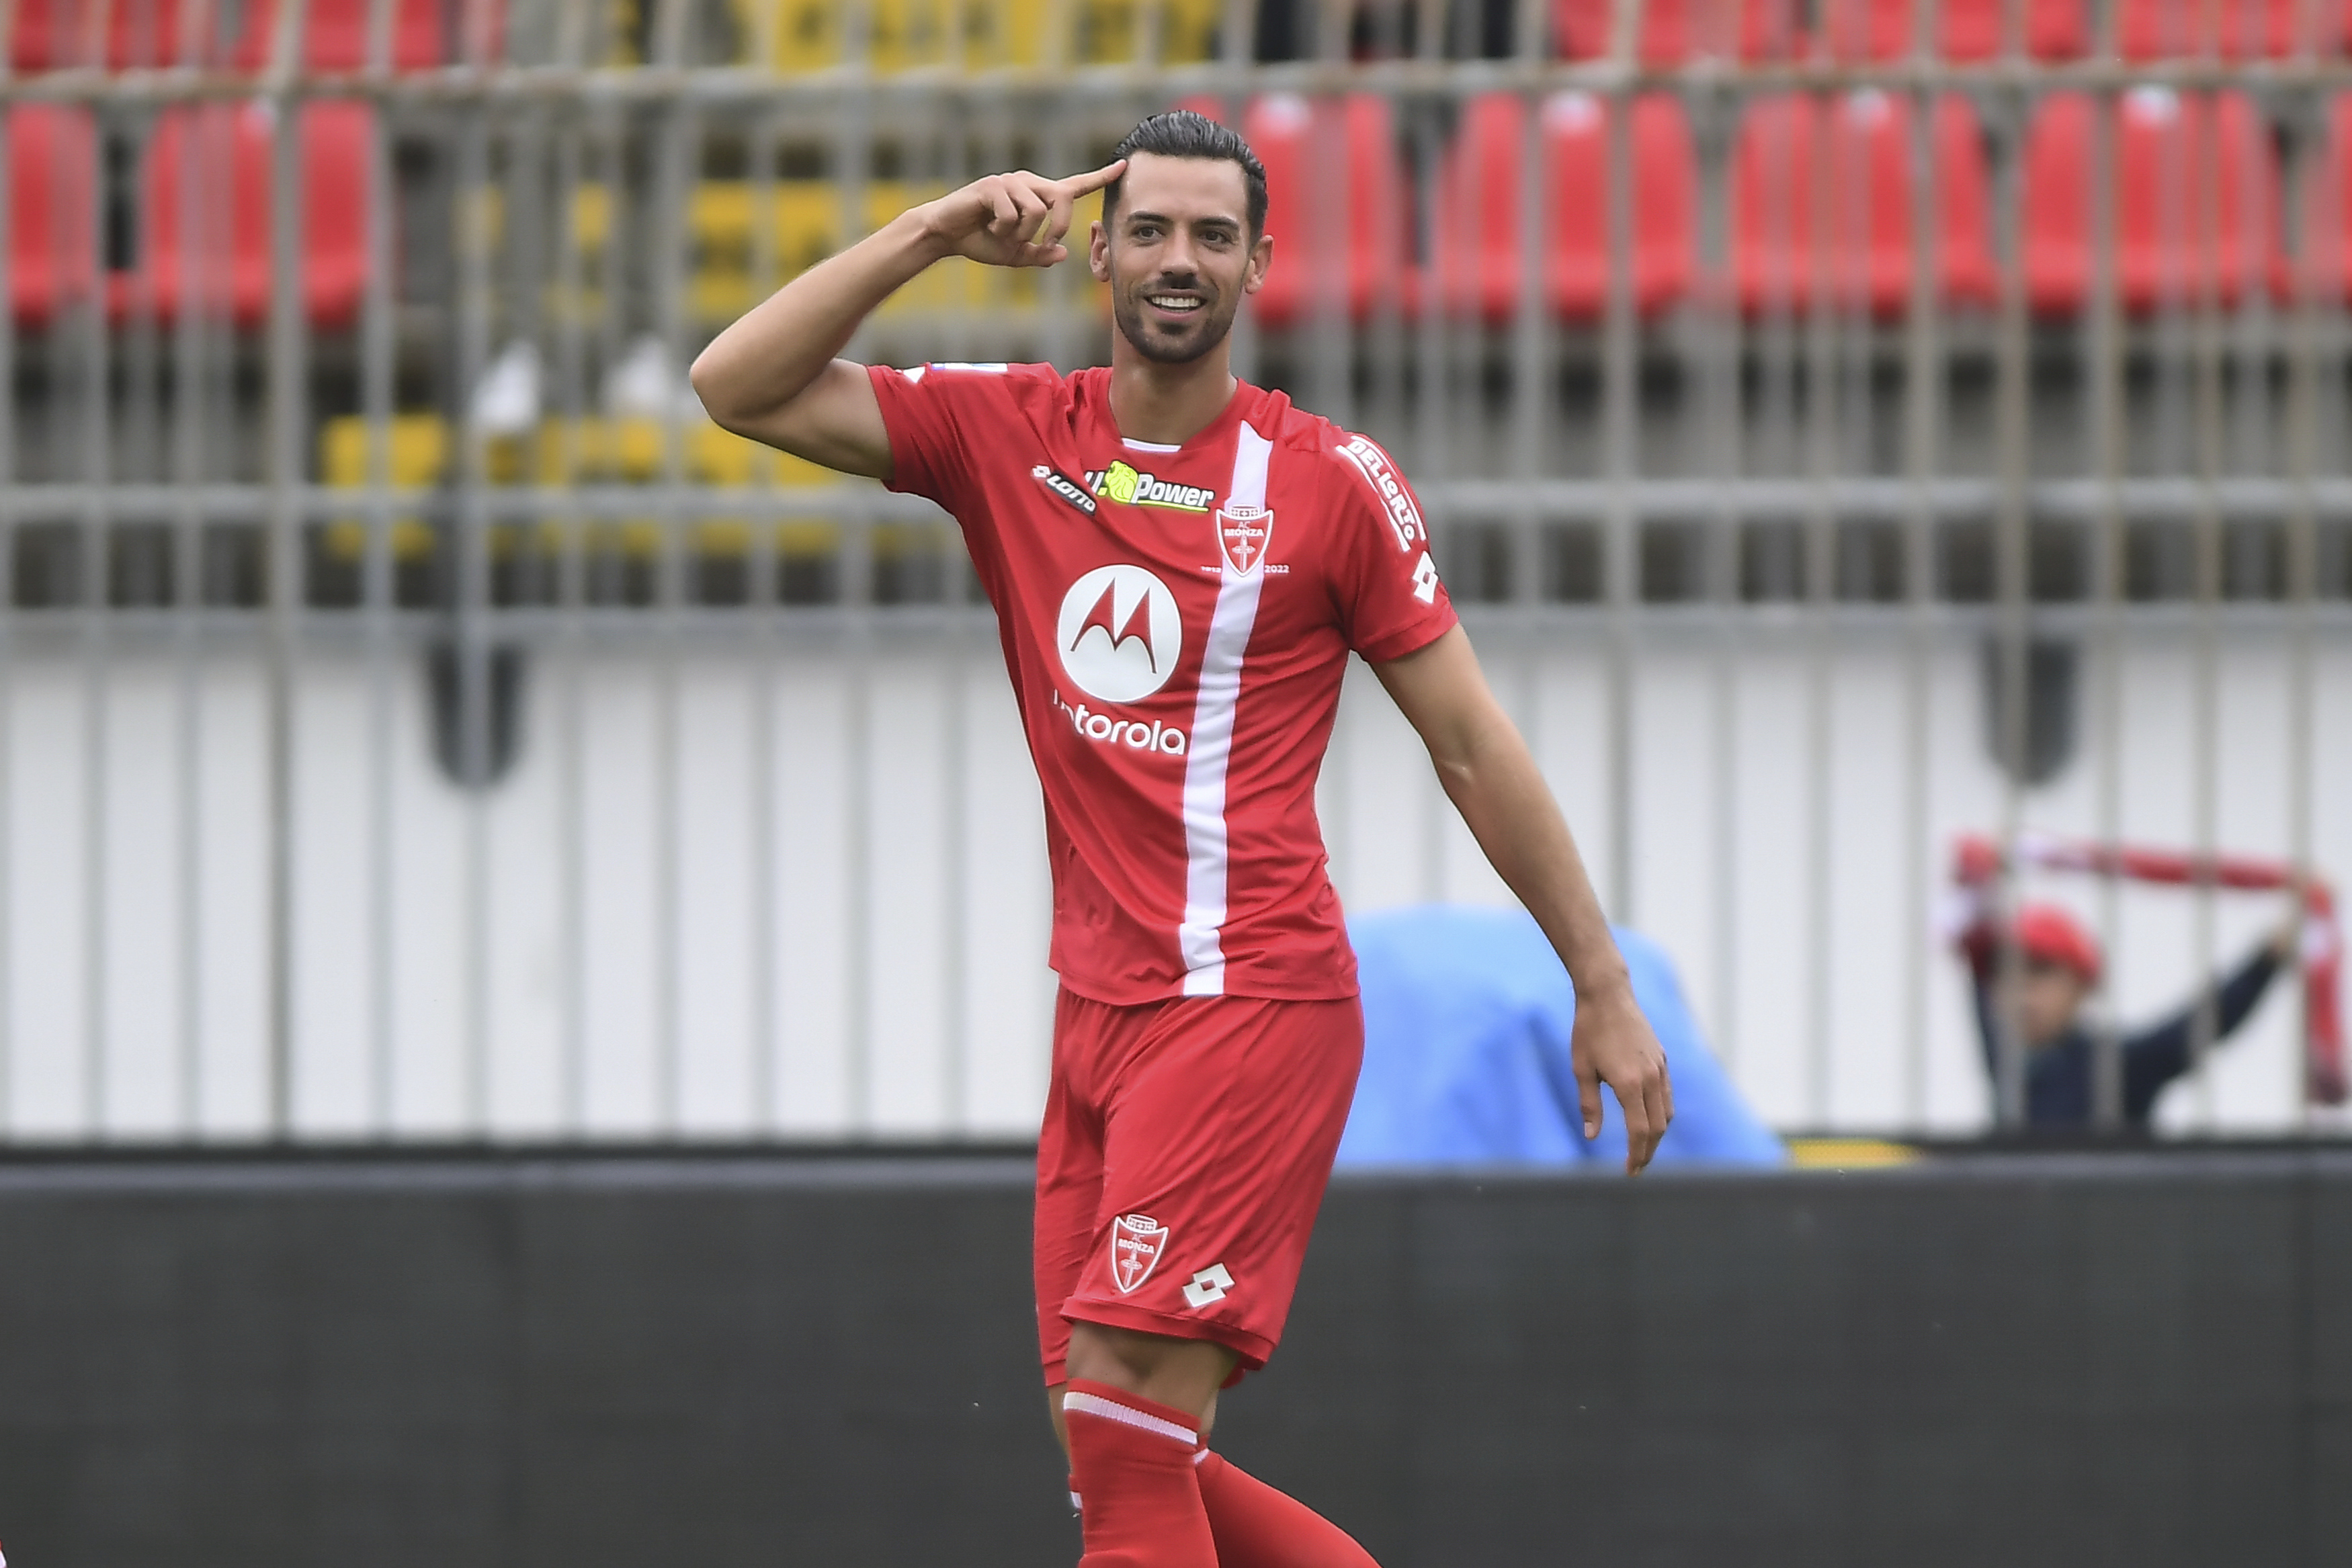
(1480, 249)
(230, 145)
(1674, 31)
(1858, 254)
(52, 213)
(1665, 202)
(2195, 201)
(1283, 130)
(2227, 29)
(1857, 30)
(51, 33)
(335, 35)
(2326, 262)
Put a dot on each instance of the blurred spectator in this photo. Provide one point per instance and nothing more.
(2058, 967)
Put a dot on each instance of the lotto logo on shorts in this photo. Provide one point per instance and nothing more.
(1208, 1287)
(1136, 1240)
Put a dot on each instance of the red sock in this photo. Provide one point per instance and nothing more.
(1256, 1526)
(1131, 1460)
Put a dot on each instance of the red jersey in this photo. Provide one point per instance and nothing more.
(1176, 621)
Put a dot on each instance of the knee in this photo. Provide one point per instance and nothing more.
(1185, 1373)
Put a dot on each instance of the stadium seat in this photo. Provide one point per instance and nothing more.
(1675, 31)
(53, 34)
(52, 230)
(1283, 128)
(1479, 251)
(56, 34)
(335, 32)
(1576, 150)
(2227, 29)
(2326, 256)
(231, 145)
(2195, 201)
(1970, 30)
(1858, 254)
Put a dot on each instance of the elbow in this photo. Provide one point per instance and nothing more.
(710, 388)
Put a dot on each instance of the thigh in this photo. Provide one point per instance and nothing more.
(1069, 1170)
(1217, 1147)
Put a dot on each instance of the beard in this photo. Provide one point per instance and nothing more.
(1207, 329)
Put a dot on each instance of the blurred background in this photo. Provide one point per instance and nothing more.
(1846, 425)
(522, 928)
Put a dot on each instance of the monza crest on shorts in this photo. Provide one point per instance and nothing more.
(1243, 535)
(1137, 1242)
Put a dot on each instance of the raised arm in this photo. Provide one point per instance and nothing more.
(1494, 782)
(773, 377)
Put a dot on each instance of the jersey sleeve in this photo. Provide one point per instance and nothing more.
(1384, 579)
(937, 416)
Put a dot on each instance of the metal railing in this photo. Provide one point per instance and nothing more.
(419, 722)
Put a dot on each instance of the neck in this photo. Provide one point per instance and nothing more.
(1167, 404)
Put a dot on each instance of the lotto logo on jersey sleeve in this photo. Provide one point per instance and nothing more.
(1395, 499)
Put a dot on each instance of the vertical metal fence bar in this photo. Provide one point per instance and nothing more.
(468, 618)
(377, 347)
(2199, 239)
(1817, 240)
(8, 414)
(2107, 350)
(1923, 392)
(853, 157)
(763, 601)
(1433, 372)
(1718, 349)
(187, 465)
(1533, 355)
(574, 530)
(91, 638)
(1620, 463)
(678, 159)
(2012, 394)
(2306, 174)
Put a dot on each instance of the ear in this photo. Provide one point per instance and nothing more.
(1261, 259)
(1098, 252)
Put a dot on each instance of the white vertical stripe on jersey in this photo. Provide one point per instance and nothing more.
(1212, 739)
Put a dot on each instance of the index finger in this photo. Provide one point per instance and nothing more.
(1080, 185)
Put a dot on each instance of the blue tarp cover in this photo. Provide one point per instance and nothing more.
(1467, 1015)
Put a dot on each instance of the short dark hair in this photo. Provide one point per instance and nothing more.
(1182, 133)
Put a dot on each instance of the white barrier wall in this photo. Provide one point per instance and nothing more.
(794, 886)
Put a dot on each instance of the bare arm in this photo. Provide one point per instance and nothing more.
(772, 376)
(1494, 782)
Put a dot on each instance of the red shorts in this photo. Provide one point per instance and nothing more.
(1184, 1153)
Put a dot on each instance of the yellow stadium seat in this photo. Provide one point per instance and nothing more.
(415, 456)
(1188, 30)
(807, 32)
(907, 34)
(723, 218)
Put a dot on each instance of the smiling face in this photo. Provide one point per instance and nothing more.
(1178, 255)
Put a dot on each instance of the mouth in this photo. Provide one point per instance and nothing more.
(1175, 305)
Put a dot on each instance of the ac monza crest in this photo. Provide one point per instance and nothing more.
(1242, 534)
(1137, 1242)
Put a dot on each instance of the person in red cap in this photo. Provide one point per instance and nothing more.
(2058, 965)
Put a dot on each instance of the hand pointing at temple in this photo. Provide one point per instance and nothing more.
(1012, 220)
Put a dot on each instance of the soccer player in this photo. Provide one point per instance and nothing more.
(1180, 565)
